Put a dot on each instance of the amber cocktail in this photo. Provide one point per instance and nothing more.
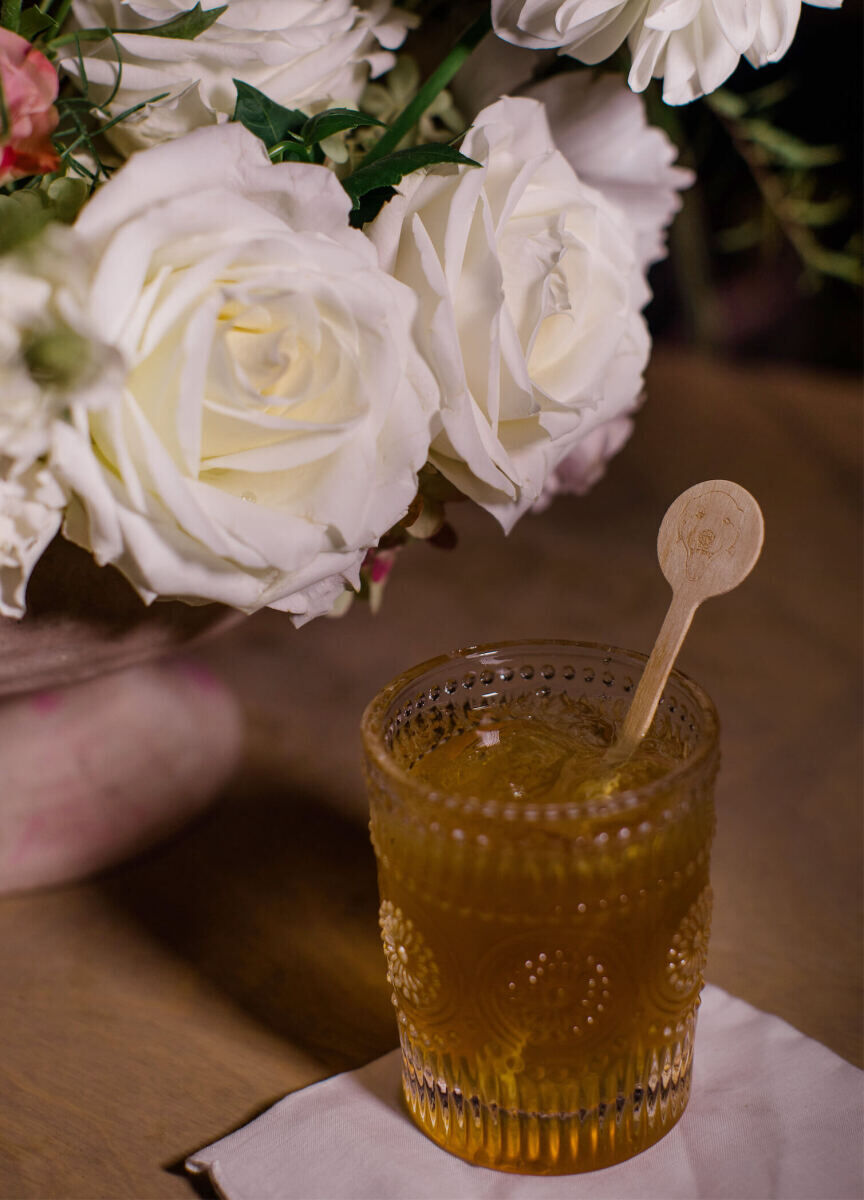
(544, 917)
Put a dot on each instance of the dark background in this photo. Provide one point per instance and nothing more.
(760, 303)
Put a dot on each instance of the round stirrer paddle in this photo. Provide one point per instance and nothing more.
(709, 540)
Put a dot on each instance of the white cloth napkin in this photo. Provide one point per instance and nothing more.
(772, 1114)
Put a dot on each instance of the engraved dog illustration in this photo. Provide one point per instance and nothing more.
(708, 529)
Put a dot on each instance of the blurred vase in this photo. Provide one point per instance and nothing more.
(108, 741)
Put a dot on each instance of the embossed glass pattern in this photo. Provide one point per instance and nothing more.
(546, 959)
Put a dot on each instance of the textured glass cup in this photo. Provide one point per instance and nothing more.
(545, 959)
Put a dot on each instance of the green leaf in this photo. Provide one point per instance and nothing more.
(10, 14)
(433, 86)
(387, 172)
(838, 265)
(727, 104)
(33, 22)
(786, 149)
(770, 96)
(264, 117)
(185, 25)
(740, 237)
(23, 215)
(816, 213)
(26, 212)
(334, 120)
(369, 205)
(289, 151)
(67, 196)
(58, 358)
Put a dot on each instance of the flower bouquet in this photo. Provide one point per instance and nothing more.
(273, 299)
(267, 306)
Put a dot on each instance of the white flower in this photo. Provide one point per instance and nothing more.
(50, 354)
(693, 45)
(530, 290)
(50, 358)
(31, 504)
(276, 411)
(601, 129)
(299, 52)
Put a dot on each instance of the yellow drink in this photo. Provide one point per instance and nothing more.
(544, 919)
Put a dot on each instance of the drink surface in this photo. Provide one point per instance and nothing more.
(545, 927)
(555, 754)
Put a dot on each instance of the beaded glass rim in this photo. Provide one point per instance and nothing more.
(380, 710)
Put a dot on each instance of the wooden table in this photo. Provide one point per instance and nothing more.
(148, 1012)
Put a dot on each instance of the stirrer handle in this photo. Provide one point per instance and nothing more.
(709, 540)
(641, 712)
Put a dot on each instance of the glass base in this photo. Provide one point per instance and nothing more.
(532, 1143)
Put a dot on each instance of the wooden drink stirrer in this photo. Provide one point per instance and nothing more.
(709, 541)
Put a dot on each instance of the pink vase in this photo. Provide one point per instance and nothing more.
(108, 740)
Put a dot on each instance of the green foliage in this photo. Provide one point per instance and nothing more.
(388, 171)
(387, 97)
(10, 15)
(26, 212)
(785, 170)
(784, 148)
(58, 358)
(35, 22)
(269, 121)
(292, 136)
(23, 215)
(186, 25)
(334, 120)
(66, 197)
(77, 138)
(289, 134)
(433, 86)
(368, 206)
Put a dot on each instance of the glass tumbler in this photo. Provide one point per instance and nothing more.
(545, 959)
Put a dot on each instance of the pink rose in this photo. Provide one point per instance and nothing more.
(29, 91)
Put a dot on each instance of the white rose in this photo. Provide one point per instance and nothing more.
(50, 358)
(530, 290)
(600, 127)
(276, 410)
(299, 52)
(693, 46)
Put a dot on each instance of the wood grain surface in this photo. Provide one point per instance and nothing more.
(151, 1010)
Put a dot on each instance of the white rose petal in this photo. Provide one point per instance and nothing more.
(299, 52)
(31, 504)
(693, 45)
(530, 289)
(600, 127)
(276, 410)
